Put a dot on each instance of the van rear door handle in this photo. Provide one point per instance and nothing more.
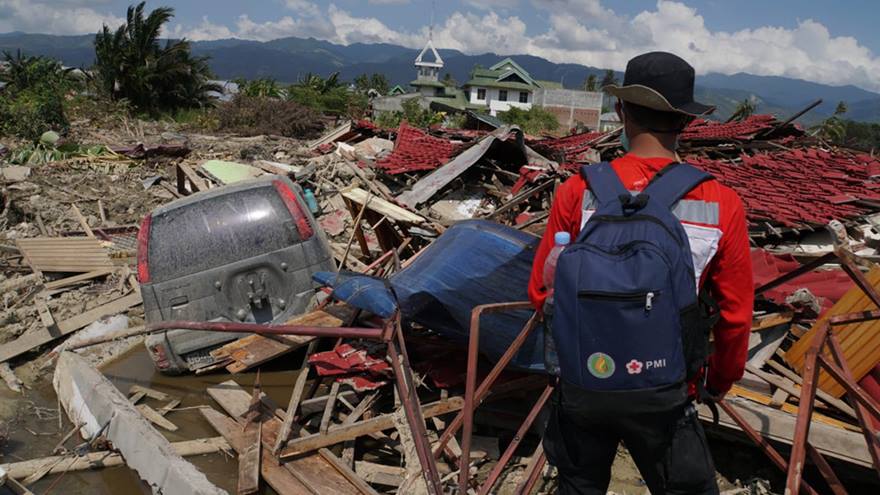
(178, 302)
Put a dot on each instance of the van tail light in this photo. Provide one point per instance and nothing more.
(143, 268)
(296, 211)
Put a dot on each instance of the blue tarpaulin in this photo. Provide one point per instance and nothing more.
(474, 262)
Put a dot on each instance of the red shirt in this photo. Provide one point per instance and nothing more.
(721, 257)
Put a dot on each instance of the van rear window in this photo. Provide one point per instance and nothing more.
(218, 231)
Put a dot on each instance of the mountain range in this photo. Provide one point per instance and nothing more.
(289, 59)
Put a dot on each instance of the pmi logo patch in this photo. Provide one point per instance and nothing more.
(635, 367)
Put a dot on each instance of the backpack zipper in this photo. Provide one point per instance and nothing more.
(648, 297)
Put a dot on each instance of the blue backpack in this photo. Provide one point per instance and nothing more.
(627, 322)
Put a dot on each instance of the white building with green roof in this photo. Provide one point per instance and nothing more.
(503, 86)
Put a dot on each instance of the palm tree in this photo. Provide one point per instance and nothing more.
(744, 110)
(590, 84)
(132, 65)
(609, 78)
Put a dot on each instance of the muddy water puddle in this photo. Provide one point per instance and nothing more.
(34, 430)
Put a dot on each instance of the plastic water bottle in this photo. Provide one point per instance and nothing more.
(551, 360)
(311, 201)
(561, 240)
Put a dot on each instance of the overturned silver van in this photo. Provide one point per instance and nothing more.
(244, 252)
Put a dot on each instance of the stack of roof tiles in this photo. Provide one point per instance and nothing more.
(415, 150)
(737, 130)
(800, 187)
(571, 147)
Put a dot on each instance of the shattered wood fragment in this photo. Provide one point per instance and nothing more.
(292, 407)
(65, 282)
(380, 474)
(328, 408)
(153, 394)
(82, 221)
(154, 417)
(42, 336)
(280, 479)
(90, 398)
(312, 470)
(249, 459)
(255, 350)
(341, 433)
(184, 174)
(379, 205)
(64, 254)
(778, 425)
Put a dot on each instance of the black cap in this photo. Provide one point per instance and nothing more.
(660, 81)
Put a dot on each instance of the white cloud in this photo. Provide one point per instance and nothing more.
(44, 17)
(492, 4)
(303, 7)
(590, 33)
(388, 2)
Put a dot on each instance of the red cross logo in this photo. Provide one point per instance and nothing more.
(634, 367)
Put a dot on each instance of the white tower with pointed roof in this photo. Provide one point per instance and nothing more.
(428, 65)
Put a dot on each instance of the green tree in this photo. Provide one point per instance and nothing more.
(25, 72)
(609, 78)
(32, 101)
(259, 88)
(535, 120)
(318, 84)
(132, 65)
(377, 82)
(591, 83)
(744, 110)
(448, 80)
(841, 109)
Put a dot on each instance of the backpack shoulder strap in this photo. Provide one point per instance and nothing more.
(674, 181)
(604, 182)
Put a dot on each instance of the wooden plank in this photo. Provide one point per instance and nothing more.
(790, 408)
(341, 433)
(860, 342)
(249, 460)
(821, 394)
(64, 254)
(42, 336)
(255, 350)
(279, 478)
(292, 407)
(82, 220)
(98, 460)
(153, 394)
(328, 408)
(779, 426)
(64, 282)
(312, 469)
(154, 417)
(771, 321)
(184, 172)
(384, 208)
(346, 471)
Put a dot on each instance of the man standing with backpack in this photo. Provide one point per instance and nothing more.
(654, 240)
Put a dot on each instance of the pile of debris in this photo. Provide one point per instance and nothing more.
(426, 225)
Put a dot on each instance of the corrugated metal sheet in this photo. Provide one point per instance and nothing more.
(860, 341)
(64, 254)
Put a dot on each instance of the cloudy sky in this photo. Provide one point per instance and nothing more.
(833, 42)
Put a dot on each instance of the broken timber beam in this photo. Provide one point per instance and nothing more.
(34, 339)
(313, 470)
(341, 433)
(104, 459)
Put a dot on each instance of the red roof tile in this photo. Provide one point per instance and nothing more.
(416, 150)
(798, 187)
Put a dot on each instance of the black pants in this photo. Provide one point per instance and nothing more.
(669, 448)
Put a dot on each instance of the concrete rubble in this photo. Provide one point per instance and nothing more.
(365, 413)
